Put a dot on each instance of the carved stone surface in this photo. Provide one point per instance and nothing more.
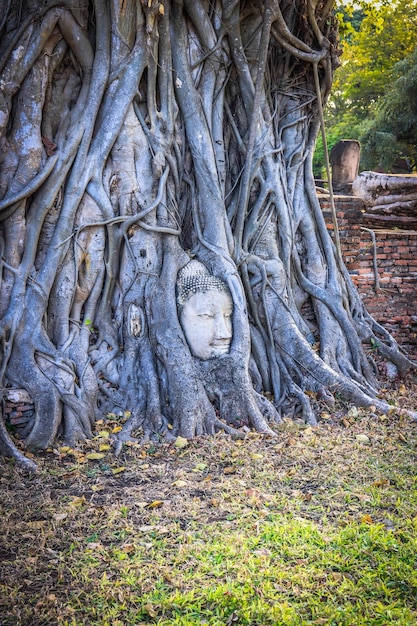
(344, 159)
(205, 309)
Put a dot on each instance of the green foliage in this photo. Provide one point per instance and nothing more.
(392, 133)
(349, 20)
(319, 164)
(386, 35)
(375, 89)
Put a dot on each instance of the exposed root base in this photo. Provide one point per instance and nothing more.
(8, 449)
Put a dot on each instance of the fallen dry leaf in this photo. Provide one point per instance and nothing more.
(94, 545)
(78, 501)
(181, 442)
(263, 552)
(118, 470)
(104, 434)
(179, 483)
(362, 438)
(150, 610)
(129, 548)
(156, 504)
(382, 482)
(200, 467)
(37, 524)
(363, 497)
(94, 456)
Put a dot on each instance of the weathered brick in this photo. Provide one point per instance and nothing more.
(396, 251)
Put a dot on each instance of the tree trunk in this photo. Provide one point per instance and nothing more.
(390, 194)
(136, 136)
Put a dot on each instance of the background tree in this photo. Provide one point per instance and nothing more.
(135, 136)
(391, 134)
(378, 42)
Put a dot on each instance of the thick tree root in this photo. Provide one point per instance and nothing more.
(8, 449)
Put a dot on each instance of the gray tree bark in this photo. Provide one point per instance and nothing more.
(389, 194)
(135, 136)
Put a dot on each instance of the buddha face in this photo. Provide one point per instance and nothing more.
(206, 319)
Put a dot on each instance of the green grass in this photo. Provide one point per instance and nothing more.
(316, 527)
(283, 571)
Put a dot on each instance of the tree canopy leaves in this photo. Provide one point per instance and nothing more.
(373, 96)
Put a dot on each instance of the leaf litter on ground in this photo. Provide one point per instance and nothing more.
(317, 526)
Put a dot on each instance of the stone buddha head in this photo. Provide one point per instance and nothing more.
(205, 309)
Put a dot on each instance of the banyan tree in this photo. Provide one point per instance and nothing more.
(154, 152)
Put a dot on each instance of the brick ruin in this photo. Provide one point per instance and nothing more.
(382, 261)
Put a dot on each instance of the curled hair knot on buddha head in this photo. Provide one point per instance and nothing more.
(195, 277)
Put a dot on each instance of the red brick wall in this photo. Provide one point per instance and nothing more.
(394, 304)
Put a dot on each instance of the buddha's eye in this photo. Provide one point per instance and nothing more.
(206, 316)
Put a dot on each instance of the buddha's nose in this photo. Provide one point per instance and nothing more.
(223, 327)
